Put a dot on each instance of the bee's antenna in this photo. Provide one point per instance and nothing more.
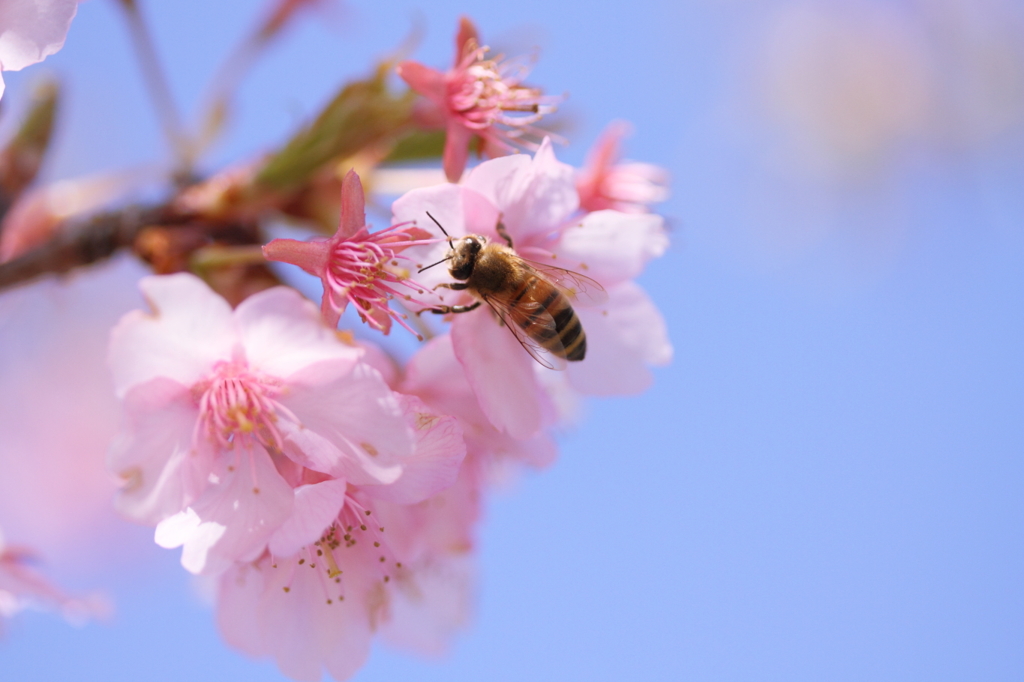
(433, 264)
(445, 234)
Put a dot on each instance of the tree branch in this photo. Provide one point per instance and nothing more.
(93, 240)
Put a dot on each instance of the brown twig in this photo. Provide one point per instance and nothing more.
(96, 239)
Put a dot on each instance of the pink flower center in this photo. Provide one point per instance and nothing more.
(360, 265)
(353, 544)
(236, 404)
(481, 91)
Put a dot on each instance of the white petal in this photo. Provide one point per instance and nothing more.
(500, 373)
(434, 465)
(316, 507)
(535, 195)
(239, 514)
(612, 247)
(431, 604)
(189, 330)
(358, 415)
(31, 30)
(282, 333)
(623, 338)
(154, 454)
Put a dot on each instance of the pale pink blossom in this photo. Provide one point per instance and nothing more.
(435, 376)
(606, 183)
(352, 555)
(478, 97)
(32, 30)
(356, 266)
(537, 201)
(220, 405)
(58, 413)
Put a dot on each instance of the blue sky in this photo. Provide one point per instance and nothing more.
(824, 484)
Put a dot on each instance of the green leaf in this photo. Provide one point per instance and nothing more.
(418, 145)
(363, 114)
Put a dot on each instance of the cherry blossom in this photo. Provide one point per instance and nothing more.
(478, 97)
(354, 265)
(537, 201)
(32, 30)
(330, 579)
(435, 376)
(604, 183)
(218, 403)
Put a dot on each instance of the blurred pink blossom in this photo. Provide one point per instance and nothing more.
(54, 490)
(32, 30)
(478, 97)
(22, 587)
(605, 183)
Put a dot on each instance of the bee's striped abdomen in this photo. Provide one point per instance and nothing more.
(566, 339)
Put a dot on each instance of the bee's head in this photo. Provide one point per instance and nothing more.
(463, 256)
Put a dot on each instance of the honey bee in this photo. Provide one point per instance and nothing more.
(533, 300)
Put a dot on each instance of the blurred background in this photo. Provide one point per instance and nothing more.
(826, 482)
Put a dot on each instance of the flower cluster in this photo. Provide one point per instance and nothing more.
(334, 493)
(330, 490)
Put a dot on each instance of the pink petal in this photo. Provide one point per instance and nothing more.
(456, 149)
(443, 524)
(461, 211)
(239, 592)
(424, 80)
(431, 604)
(356, 414)
(435, 464)
(433, 370)
(621, 344)
(466, 33)
(353, 207)
(612, 247)
(500, 373)
(234, 518)
(188, 331)
(298, 627)
(534, 195)
(435, 375)
(186, 528)
(282, 334)
(311, 256)
(316, 507)
(380, 360)
(31, 30)
(153, 454)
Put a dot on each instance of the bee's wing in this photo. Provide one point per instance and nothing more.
(579, 288)
(532, 310)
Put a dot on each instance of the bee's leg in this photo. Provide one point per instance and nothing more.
(445, 309)
(502, 232)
